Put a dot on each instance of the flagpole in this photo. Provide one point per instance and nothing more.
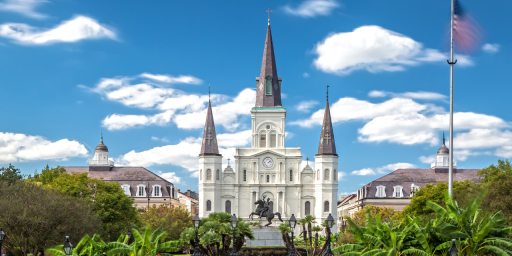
(451, 62)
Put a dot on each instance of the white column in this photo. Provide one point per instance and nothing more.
(268, 139)
(284, 205)
(300, 202)
(277, 202)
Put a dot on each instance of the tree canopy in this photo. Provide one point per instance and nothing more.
(172, 220)
(10, 174)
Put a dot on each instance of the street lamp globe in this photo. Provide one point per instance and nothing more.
(2, 235)
(330, 221)
(196, 221)
(68, 247)
(234, 221)
(292, 221)
(453, 250)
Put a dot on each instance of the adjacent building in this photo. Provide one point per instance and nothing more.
(144, 186)
(268, 168)
(396, 189)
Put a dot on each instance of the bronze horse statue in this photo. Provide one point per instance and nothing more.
(263, 211)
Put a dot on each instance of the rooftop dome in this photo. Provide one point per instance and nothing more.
(443, 150)
(101, 147)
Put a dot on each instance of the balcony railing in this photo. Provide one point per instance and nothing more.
(101, 162)
(442, 165)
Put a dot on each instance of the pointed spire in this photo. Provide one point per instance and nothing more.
(101, 136)
(327, 145)
(209, 145)
(101, 147)
(443, 137)
(268, 96)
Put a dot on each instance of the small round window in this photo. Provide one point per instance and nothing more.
(268, 127)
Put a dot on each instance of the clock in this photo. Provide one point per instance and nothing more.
(268, 162)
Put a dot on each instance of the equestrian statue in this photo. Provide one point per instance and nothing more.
(263, 210)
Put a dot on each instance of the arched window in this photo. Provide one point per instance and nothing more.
(141, 190)
(273, 140)
(334, 175)
(318, 174)
(271, 206)
(268, 178)
(217, 174)
(326, 174)
(157, 191)
(307, 208)
(291, 175)
(201, 175)
(228, 206)
(263, 141)
(381, 191)
(208, 206)
(326, 206)
(268, 85)
(245, 175)
(208, 174)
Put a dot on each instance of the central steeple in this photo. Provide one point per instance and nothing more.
(268, 85)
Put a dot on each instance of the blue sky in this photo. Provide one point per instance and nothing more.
(140, 71)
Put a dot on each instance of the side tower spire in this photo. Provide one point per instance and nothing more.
(268, 84)
(327, 145)
(209, 146)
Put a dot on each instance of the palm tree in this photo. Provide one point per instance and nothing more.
(310, 220)
(303, 222)
(316, 229)
(150, 244)
(284, 228)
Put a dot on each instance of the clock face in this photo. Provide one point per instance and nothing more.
(268, 162)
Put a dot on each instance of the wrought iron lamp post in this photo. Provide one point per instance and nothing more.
(330, 223)
(453, 250)
(130, 236)
(68, 247)
(2, 236)
(196, 221)
(292, 221)
(234, 224)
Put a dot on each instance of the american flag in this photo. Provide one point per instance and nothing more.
(466, 32)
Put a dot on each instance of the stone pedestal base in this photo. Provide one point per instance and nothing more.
(265, 236)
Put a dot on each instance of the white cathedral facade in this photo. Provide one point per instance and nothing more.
(268, 167)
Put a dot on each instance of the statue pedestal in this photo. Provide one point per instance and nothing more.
(265, 236)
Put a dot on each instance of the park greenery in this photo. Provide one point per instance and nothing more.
(46, 207)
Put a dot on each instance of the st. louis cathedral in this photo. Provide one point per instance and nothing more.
(268, 168)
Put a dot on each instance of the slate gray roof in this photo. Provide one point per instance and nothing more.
(418, 177)
(268, 68)
(132, 176)
(209, 145)
(101, 147)
(326, 145)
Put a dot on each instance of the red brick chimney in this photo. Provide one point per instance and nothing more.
(188, 192)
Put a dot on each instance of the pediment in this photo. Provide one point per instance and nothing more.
(268, 151)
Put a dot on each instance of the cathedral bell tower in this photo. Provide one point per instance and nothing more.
(268, 115)
(210, 167)
(326, 165)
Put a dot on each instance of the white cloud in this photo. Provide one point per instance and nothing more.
(427, 159)
(365, 171)
(163, 139)
(340, 175)
(393, 167)
(305, 74)
(76, 29)
(374, 49)
(185, 153)
(346, 109)
(23, 7)
(170, 79)
(188, 111)
(306, 106)
(120, 122)
(312, 8)
(16, 147)
(491, 48)
(171, 177)
(409, 95)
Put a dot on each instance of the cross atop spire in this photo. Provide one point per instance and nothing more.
(268, 84)
(209, 145)
(269, 11)
(101, 136)
(327, 145)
